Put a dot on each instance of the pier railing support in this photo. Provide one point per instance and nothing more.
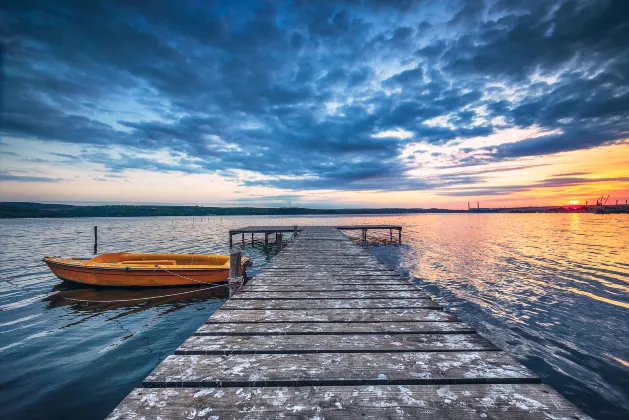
(235, 266)
(280, 241)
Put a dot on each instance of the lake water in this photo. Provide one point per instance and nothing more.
(551, 289)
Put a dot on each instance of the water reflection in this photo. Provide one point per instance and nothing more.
(99, 299)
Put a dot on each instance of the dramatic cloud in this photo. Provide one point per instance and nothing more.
(326, 95)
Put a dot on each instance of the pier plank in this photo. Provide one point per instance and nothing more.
(415, 368)
(339, 278)
(333, 328)
(333, 294)
(423, 402)
(291, 304)
(267, 286)
(363, 343)
(339, 315)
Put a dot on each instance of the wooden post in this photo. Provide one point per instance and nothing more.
(280, 240)
(235, 265)
(399, 232)
(95, 239)
(231, 237)
(295, 233)
(266, 238)
(390, 235)
(243, 239)
(251, 238)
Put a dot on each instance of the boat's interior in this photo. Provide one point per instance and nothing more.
(126, 258)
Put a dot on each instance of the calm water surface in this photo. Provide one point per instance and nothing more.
(552, 290)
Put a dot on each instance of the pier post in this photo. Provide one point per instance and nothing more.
(95, 239)
(295, 233)
(399, 233)
(235, 265)
(231, 242)
(279, 239)
(266, 238)
(390, 235)
(243, 239)
(251, 238)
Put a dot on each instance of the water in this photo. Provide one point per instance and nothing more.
(552, 290)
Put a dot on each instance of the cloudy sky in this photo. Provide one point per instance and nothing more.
(372, 103)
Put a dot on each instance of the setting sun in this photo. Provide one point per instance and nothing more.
(573, 202)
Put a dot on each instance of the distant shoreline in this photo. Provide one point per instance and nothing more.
(13, 210)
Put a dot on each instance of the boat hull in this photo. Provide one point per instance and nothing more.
(137, 276)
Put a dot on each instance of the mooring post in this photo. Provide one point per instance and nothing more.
(95, 239)
(279, 240)
(235, 265)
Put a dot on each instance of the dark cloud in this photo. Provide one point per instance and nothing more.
(299, 88)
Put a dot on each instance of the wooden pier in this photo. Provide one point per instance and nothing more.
(327, 331)
(278, 230)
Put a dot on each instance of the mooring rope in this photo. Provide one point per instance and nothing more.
(198, 281)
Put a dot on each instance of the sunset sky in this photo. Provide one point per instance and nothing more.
(350, 103)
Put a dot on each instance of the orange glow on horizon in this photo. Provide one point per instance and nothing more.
(573, 202)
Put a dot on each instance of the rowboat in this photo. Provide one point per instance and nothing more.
(144, 270)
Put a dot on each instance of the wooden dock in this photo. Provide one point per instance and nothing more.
(327, 331)
(278, 230)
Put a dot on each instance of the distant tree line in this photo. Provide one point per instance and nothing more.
(40, 210)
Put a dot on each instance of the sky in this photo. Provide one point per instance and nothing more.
(343, 103)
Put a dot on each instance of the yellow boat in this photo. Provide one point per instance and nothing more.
(144, 270)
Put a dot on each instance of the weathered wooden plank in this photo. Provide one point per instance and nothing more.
(316, 284)
(326, 315)
(340, 278)
(360, 343)
(322, 273)
(333, 294)
(330, 265)
(423, 402)
(323, 328)
(287, 304)
(287, 279)
(264, 287)
(339, 369)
